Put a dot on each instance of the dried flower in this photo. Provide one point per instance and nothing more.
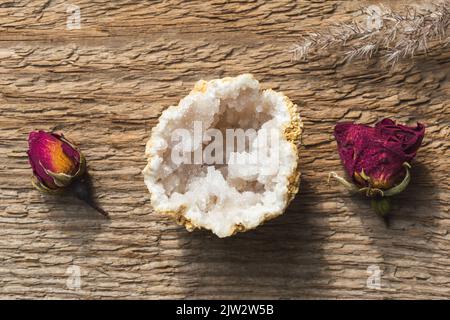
(377, 159)
(55, 161)
(58, 166)
(385, 33)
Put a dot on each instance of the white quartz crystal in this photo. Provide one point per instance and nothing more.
(243, 190)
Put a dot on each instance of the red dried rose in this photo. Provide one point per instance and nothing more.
(377, 158)
(377, 152)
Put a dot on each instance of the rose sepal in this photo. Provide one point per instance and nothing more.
(402, 185)
(373, 192)
(62, 180)
(380, 198)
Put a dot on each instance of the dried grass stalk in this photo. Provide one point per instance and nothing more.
(383, 33)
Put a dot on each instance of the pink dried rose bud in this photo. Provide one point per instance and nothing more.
(55, 161)
(377, 159)
(58, 166)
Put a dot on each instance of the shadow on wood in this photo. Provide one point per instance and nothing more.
(277, 259)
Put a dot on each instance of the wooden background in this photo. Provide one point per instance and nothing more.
(105, 84)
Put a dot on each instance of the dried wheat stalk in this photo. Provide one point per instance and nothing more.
(384, 33)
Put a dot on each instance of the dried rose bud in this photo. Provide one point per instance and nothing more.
(377, 159)
(58, 166)
(55, 161)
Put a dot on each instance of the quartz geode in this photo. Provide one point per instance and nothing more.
(201, 182)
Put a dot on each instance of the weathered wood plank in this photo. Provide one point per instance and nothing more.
(106, 84)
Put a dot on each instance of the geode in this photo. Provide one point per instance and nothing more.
(202, 173)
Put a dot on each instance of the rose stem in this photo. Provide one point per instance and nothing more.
(81, 189)
(97, 208)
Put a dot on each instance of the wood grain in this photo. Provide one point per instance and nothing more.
(105, 85)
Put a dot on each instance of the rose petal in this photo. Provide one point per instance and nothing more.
(378, 152)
